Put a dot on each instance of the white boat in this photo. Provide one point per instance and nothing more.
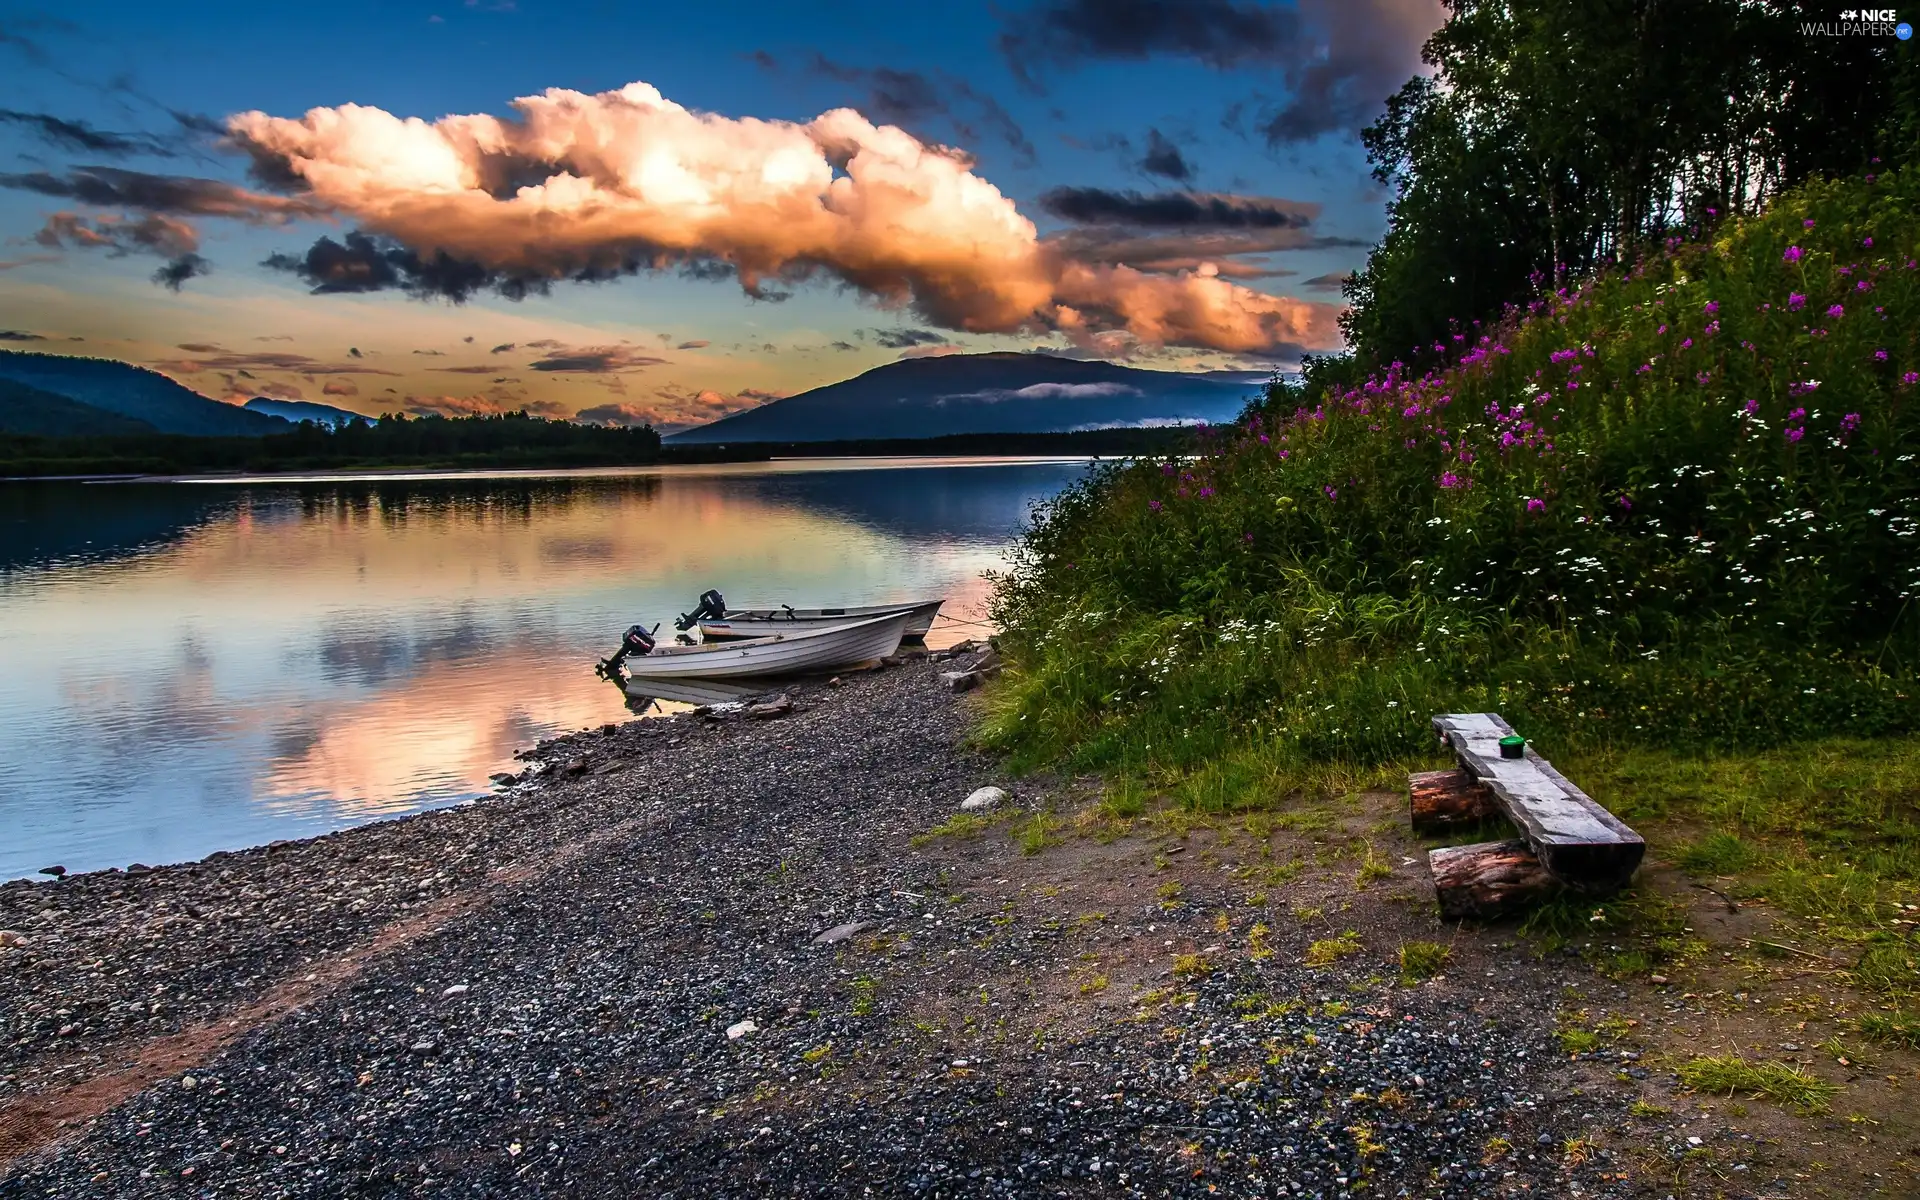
(810, 647)
(760, 622)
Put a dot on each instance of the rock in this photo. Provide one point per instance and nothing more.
(577, 767)
(956, 650)
(984, 799)
(188, 1083)
(778, 706)
(834, 682)
(840, 933)
(1656, 979)
(138, 869)
(55, 871)
(504, 778)
(423, 1047)
(609, 728)
(740, 1029)
(960, 681)
(458, 989)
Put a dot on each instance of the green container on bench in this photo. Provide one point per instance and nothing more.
(1513, 746)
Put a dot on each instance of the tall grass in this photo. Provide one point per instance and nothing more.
(1674, 506)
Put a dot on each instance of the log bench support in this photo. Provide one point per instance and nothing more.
(1567, 842)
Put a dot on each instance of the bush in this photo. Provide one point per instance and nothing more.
(1675, 506)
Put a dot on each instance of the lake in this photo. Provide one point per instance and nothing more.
(196, 666)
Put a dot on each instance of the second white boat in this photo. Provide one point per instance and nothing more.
(808, 648)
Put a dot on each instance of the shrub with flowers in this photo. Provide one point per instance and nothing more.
(1677, 503)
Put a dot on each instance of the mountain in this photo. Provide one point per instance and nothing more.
(135, 392)
(31, 411)
(985, 393)
(302, 410)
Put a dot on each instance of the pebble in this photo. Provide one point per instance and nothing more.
(740, 1029)
(983, 799)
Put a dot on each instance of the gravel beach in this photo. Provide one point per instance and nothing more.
(688, 957)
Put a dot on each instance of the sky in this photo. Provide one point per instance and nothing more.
(629, 212)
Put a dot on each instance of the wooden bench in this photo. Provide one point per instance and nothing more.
(1567, 841)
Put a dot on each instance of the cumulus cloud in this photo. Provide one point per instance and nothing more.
(625, 415)
(595, 360)
(1339, 59)
(340, 387)
(584, 186)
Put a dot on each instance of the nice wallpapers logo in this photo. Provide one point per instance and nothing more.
(1861, 22)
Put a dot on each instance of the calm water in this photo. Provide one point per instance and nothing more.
(189, 667)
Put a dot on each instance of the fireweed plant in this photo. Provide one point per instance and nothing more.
(1674, 505)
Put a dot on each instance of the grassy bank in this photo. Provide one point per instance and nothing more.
(1663, 521)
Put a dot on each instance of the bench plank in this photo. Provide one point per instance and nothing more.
(1579, 841)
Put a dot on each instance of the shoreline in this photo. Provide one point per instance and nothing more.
(764, 957)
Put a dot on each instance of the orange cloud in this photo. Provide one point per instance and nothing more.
(629, 180)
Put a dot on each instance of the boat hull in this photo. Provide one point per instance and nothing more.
(764, 622)
(794, 652)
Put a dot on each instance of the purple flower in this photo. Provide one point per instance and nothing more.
(1795, 434)
(1166, 468)
(1753, 406)
(1848, 424)
(1863, 286)
(1535, 504)
(1793, 254)
(1838, 310)
(1795, 301)
(1205, 492)
(1249, 537)
(1687, 345)
(1713, 306)
(1449, 480)
(1333, 493)
(1867, 242)
(1153, 506)
(1807, 224)
(1626, 504)
(1703, 378)
(1662, 329)
(1910, 378)
(1879, 356)
(1263, 439)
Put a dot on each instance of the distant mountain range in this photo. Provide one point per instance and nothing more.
(96, 390)
(986, 393)
(303, 410)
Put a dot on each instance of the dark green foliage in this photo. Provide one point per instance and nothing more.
(1677, 506)
(514, 439)
(1559, 138)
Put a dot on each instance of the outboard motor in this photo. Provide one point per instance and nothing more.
(637, 641)
(712, 607)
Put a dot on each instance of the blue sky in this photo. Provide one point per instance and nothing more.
(1189, 167)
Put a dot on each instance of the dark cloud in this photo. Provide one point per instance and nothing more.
(912, 98)
(432, 353)
(219, 358)
(79, 135)
(1164, 159)
(354, 352)
(694, 344)
(1333, 281)
(502, 348)
(900, 339)
(154, 233)
(1339, 59)
(363, 263)
(180, 269)
(479, 370)
(468, 339)
(19, 335)
(1233, 253)
(1219, 33)
(843, 346)
(1184, 210)
(177, 195)
(595, 360)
